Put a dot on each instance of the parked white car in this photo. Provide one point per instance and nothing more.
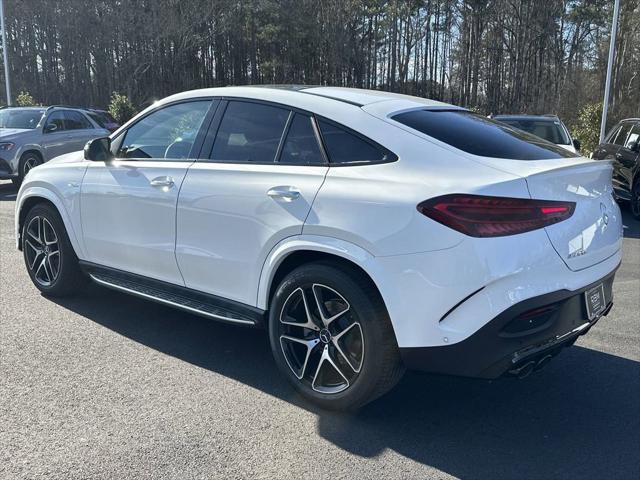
(367, 231)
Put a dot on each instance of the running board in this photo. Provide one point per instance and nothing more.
(175, 296)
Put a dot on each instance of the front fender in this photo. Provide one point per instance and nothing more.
(33, 191)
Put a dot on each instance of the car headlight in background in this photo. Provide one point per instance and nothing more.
(6, 146)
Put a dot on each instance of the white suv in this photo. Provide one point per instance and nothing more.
(367, 231)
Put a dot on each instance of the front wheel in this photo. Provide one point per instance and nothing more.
(28, 161)
(332, 338)
(48, 254)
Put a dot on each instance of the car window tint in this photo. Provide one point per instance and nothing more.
(633, 137)
(168, 133)
(623, 133)
(17, 118)
(249, 132)
(75, 120)
(345, 147)
(480, 135)
(99, 119)
(301, 145)
(57, 119)
(612, 134)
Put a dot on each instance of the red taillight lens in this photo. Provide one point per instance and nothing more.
(481, 216)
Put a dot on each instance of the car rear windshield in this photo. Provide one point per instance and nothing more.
(27, 118)
(480, 135)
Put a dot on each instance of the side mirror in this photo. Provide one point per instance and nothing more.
(98, 150)
(50, 127)
(576, 144)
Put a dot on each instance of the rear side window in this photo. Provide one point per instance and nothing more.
(344, 147)
(634, 136)
(301, 145)
(621, 137)
(249, 132)
(99, 119)
(479, 135)
(75, 120)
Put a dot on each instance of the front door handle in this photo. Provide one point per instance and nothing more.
(286, 193)
(162, 182)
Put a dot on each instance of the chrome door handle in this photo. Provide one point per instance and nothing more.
(164, 182)
(286, 193)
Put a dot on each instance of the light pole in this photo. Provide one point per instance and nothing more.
(5, 54)
(607, 86)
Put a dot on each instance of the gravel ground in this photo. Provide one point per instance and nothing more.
(105, 385)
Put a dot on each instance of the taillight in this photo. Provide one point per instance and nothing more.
(481, 216)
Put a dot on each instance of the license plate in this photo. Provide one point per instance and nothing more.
(596, 303)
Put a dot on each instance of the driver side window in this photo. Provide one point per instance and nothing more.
(55, 122)
(168, 133)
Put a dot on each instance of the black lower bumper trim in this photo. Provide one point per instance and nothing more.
(488, 353)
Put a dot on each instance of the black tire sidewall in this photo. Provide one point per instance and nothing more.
(635, 192)
(370, 314)
(23, 162)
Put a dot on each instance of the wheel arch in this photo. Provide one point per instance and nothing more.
(296, 251)
(37, 195)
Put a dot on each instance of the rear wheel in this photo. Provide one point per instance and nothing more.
(48, 255)
(28, 161)
(331, 336)
(635, 199)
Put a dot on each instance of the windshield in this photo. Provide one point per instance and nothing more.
(480, 135)
(550, 130)
(16, 118)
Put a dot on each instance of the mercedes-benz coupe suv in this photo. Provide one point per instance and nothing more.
(368, 232)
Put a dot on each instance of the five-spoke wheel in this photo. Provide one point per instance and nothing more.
(42, 251)
(51, 262)
(331, 336)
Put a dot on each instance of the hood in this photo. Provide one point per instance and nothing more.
(7, 133)
(67, 158)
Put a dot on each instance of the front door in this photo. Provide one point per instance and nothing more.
(256, 188)
(129, 204)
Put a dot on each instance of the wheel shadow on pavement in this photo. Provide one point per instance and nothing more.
(8, 191)
(578, 418)
(631, 226)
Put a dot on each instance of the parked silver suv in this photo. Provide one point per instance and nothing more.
(30, 136)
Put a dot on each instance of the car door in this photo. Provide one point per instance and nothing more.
(263, 169)
(128, 205)
(54, 135)
(79, 130)
(626, 160)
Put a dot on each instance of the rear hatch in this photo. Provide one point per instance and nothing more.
(594, 232)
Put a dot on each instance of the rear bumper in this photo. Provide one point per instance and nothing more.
(498, 347)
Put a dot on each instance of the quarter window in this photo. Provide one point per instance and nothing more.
(168, 133)
(301, 145)
(344, 147)
(249, 132)
(634, 136)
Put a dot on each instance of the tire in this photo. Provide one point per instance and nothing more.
(28, 161)
(635, 200)
(347, 364)
(48, 254)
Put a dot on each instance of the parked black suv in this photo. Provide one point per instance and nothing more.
(622, 145)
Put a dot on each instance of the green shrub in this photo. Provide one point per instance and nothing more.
(587, 129)
(121, 107)
(25, 99)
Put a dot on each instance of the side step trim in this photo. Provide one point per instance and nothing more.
(183, 298)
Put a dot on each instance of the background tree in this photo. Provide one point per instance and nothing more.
(497, 56)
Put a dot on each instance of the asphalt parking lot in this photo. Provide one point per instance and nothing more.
(104, 385)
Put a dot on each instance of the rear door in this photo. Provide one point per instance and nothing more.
(625, 164)
(79, 130)
(128, 205)
(263, 168)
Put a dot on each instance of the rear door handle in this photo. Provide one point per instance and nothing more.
(162, 182)
(286, 193)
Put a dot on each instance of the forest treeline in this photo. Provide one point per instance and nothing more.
(495, 56)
